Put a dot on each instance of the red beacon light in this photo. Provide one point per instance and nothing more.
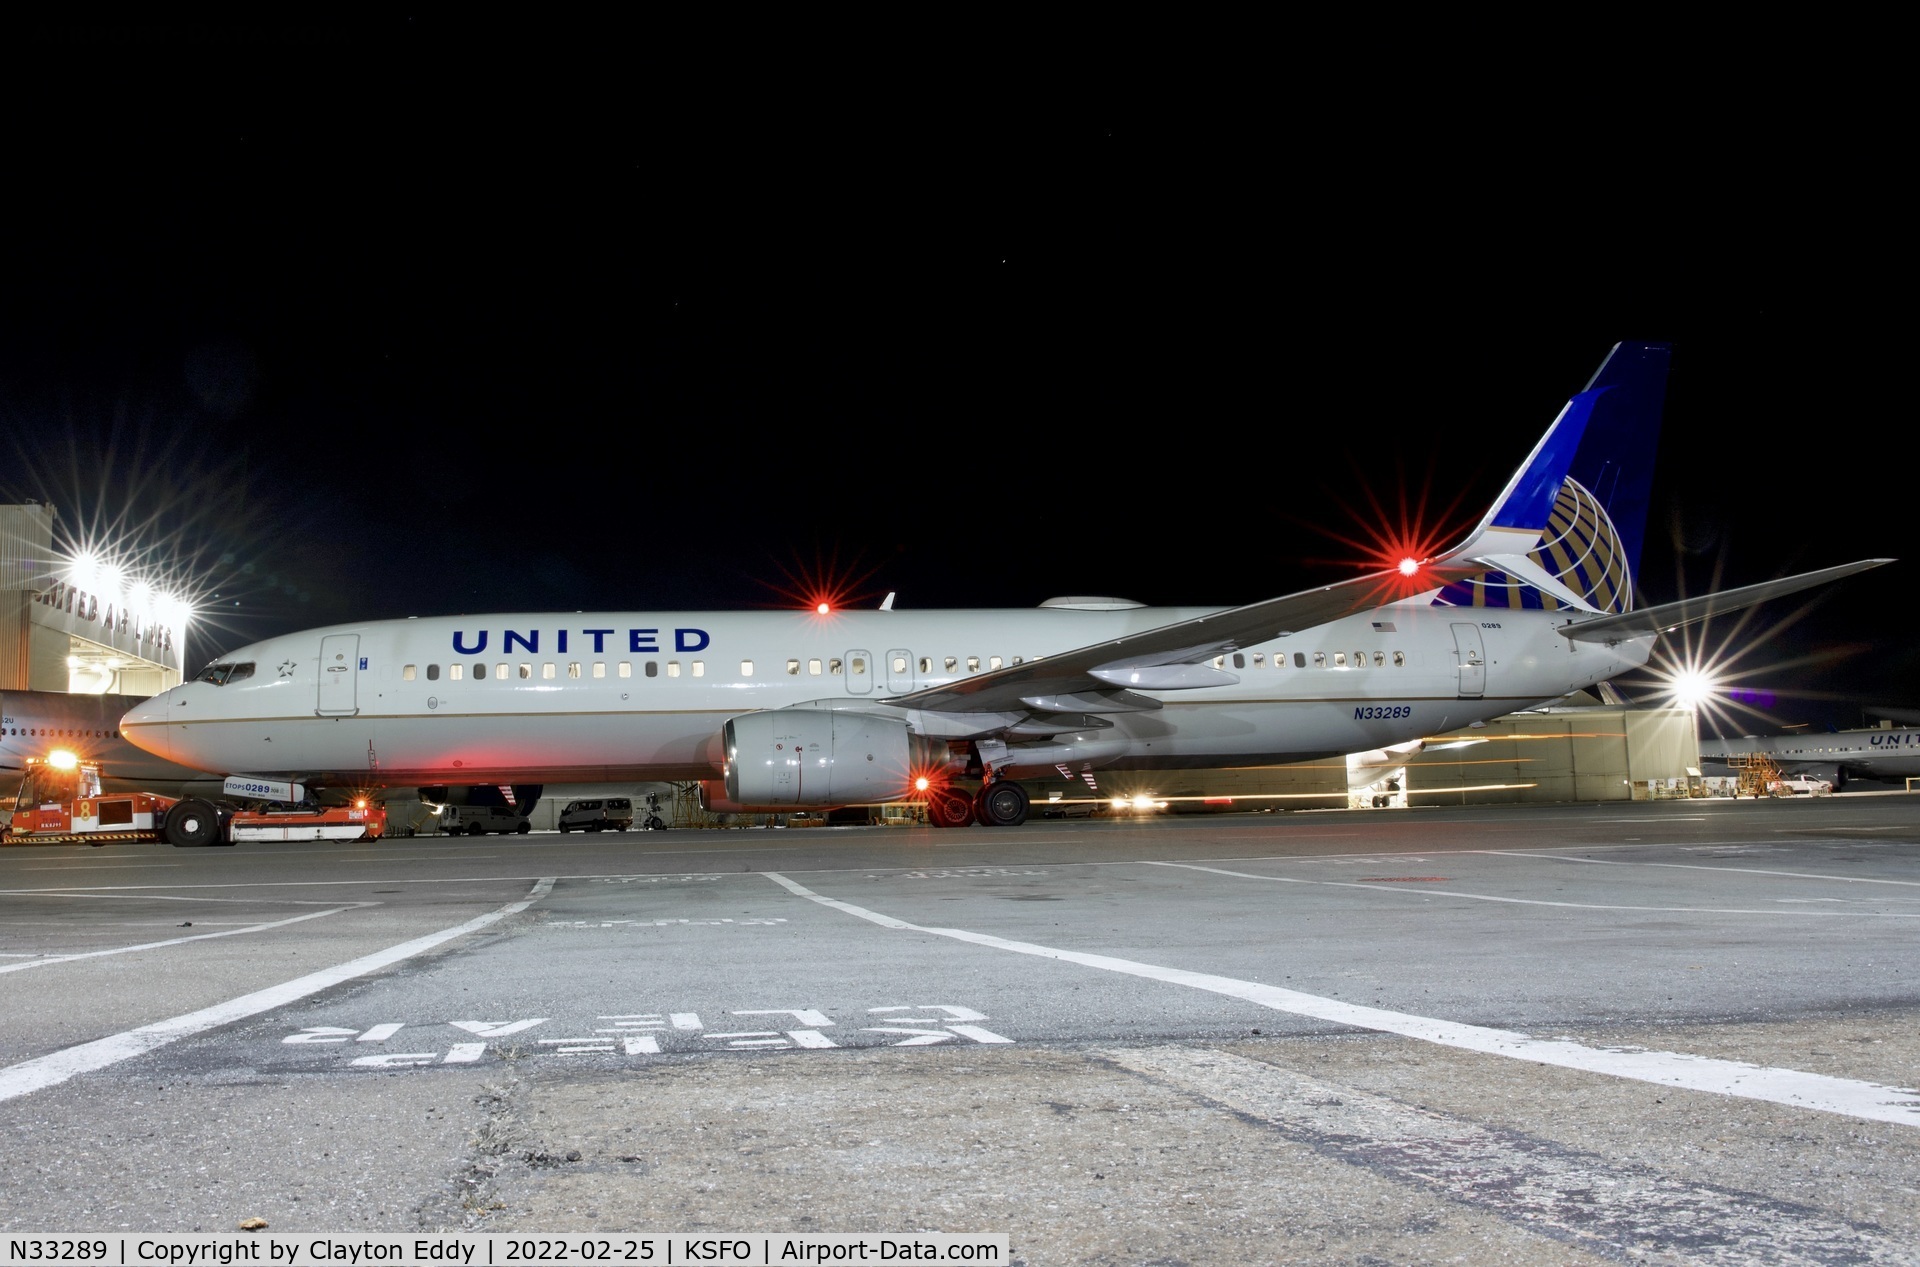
(1409, 566)
(822, 608)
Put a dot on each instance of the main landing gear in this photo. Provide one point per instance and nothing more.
(999, 804)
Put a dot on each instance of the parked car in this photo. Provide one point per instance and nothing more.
(478, 820)
(609, 813)
(1802, 785)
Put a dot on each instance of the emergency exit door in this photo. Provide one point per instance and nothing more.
(1472, 659)
(339, 675)
(900, 671)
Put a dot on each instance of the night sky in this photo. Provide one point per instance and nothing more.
(359, 322)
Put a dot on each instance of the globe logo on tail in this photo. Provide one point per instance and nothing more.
(1580, 547)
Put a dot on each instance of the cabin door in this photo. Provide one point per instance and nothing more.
(1472, 659)
(859, 673)
(339, 675)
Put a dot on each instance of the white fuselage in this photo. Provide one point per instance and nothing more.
(530, 697)
(1883, 753)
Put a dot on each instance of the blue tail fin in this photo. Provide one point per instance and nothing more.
(1596, 519)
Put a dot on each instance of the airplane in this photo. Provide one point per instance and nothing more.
(36, 723)
(39, 723)
(1886, 753)
(777, 711)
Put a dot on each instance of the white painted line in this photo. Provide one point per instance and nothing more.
(50, 1070)
(177, 941)
(1695, 866)
(1869, 1100)
(1616, 1210)
(1427, 890)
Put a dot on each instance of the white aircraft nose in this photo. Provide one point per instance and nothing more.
(145, 725)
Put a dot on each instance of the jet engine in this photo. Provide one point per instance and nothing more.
(790, 756)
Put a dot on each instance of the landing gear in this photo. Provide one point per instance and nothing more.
(1001, 804)
(949, 807)
(192, 823)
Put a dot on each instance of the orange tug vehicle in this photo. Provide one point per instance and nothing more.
(60, 803)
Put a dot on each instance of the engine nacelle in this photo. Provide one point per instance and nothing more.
(790, 756)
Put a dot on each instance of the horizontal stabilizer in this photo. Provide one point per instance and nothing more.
(1654, 620)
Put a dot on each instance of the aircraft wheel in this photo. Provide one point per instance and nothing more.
(1002, 804)
(191, 823)
(949, 808)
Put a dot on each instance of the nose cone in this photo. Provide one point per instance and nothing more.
(145, 725)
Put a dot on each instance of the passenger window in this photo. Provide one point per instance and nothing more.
(1017, 659)
(1379, 659)
(626, 668)
(899, 664)
(793, 668)
(1359, 659)
(573, 669)
(1260, 658)
(973, 664)
(699, 668)
(1399, 659)
(653, 668)
(926, 664)
(1299, 659)
(1339, 659)
(1219, 662)
(833, 668)
(1319, 659)
(546, 671)
(673, 668)
(502, 670)
(857, 666)
(526, 671)
(1239, 661)
(952, 663)
(993, 662)
(406, 673)
(454, 671)
(433, 673)
(599, 669)
(479, 672)
(746, 668)
(813, 668)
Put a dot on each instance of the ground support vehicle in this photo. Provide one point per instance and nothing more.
(340, 822)
(60, 803)
(610, 813)
(478, 820)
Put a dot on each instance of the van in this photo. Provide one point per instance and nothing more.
(609, 813)
(478, 820)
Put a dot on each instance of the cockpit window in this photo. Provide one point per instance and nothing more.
(221, 674)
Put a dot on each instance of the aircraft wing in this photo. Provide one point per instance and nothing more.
(1668, 616)
(1100, 677)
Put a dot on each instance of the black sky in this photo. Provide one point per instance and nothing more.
(395, 318)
